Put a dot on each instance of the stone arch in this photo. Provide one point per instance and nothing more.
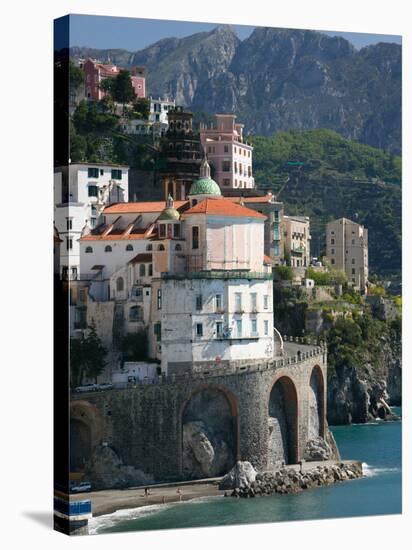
(209, 431)
(86, 432)
(316, 403)
(283, 436)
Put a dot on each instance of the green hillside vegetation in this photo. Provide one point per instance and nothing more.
(320, 174)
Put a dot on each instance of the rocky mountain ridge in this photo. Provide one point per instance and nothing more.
(278, 79)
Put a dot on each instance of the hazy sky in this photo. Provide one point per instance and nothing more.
(134, 34)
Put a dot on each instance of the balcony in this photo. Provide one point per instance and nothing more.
(225, 275)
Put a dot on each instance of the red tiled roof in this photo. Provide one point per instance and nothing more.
(139, 207)
(223, 207)
(267, 260)
(141, 258)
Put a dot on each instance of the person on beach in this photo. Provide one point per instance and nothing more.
(179, 492)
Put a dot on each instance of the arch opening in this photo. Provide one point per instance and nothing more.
(209, 434)
(316, 401)
(283, 423)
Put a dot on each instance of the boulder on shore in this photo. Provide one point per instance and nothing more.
(317, 449)
(241, 475)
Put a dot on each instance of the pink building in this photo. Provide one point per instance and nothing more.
(95, 72)
(228, 153)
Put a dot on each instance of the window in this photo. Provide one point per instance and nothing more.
(176, 230)
(266, 301)
(239, 328)
(135, 314)
(249, 171)
(253, 325)
(178, 247)
(92, 172)
(116, 174)
(160, 247)
(353, 271)
(219, 329)
(353, 241)
(253, 301)
(149, 247)
(101, 171)
(332, 241)
(108, 248)
(69, 243)
(82, 295)
(199, 302)
(119, 284)
(92, 222)
(226, 166)
(226, 148)
(159, 298)
(226, 182)
(150, 270)
(353, 261)
(157, 329)
(142, 270)
(69, 224)
(332, 251)
(332, 261)
(88, 250)
(238, 301)
(276, 249)
(195, 237)
(162, 230)
(218, 302)
(129, 248)
(199, 329)
(266, 327)
(92, 190)
(235, 167)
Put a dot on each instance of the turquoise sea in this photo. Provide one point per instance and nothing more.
(377, 445)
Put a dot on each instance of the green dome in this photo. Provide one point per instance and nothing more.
(169, 214)
(205, 186)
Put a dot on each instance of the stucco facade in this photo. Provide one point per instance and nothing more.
(347, 249)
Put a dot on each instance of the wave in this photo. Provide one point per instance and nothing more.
(371, 471)
(106, 521)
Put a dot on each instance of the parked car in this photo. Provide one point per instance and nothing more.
(80, 487)
(106, 386)
(86, 388)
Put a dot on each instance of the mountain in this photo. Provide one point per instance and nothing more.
(338, 178)
(278, 79)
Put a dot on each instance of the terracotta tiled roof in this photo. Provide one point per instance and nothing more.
(139, 207)
(267, 260)
(223, 207)
(141, 258)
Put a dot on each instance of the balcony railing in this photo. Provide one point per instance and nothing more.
(218, 275)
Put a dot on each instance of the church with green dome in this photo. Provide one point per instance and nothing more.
(205, 186)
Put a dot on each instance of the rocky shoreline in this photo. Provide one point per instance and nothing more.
(245, 482)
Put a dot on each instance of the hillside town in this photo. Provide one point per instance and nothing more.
(193, 271)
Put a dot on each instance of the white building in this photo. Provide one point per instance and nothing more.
(193, 273)
(80, 193)
(297, 240)
(157, 123)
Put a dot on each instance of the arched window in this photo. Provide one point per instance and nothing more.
(160, 247)
(178, 247)
(129, 247)
(149, 247)
(142, 270)
(108, 248)
(119, 284)
(89, 250)
(150, 270)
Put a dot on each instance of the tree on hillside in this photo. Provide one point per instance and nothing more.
(140, 108)
(76, 76)
(87, 356)
(119, 88)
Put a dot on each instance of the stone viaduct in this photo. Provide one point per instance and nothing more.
(264, 412)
